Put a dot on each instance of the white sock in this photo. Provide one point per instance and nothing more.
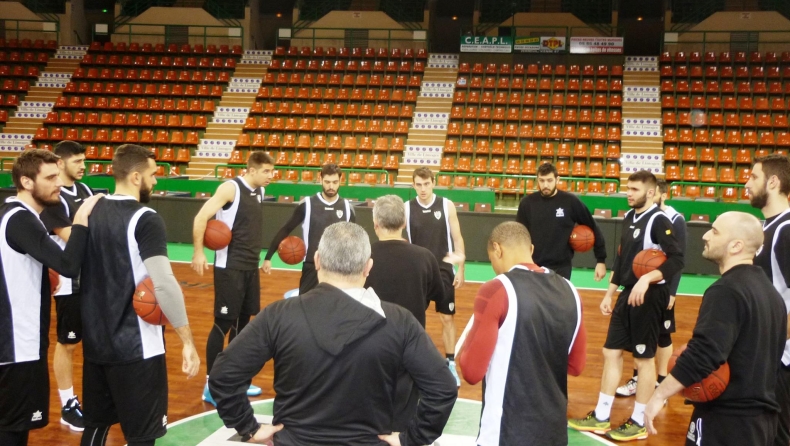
(66, 395)
(604, 407)
(639, 413)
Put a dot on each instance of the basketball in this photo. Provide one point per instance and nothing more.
(582, 238)
(54, 281)
(217, 235)
(709, 388)
(145, 305)
(648, 260)
(291, 250)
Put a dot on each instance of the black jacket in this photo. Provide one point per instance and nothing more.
(336, 363)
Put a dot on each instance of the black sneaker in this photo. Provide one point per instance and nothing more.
(71, 415)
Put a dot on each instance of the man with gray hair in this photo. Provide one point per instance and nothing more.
(403, 274)
(336, 350)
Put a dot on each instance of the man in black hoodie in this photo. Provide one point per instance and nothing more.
(337, 350)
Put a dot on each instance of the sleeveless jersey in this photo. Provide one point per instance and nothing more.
(429, 227)
(319, 215)
(244, 217)
(767, 259)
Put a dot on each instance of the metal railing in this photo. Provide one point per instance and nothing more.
(719, 41)
(522, 183)
(376, 38)
(32, 29)
(299, 170)
(198, 34)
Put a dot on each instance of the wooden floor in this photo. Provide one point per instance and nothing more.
(185, 394)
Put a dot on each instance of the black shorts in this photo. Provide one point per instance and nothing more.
(133, 394)
(714, 429)
(783, 398)
(309, 279)
(24, 399)
(447, 306)
(67, 309)
(668, 321)
(636, 329)
(236, 292)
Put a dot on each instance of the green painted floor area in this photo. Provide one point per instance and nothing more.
(464, 423)
(690, 284)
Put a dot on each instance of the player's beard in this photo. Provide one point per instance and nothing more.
(710, 254)
(145, 193)
(640, 203)
(758, 199)
(330, 192)
(45, 200)
(550, 193)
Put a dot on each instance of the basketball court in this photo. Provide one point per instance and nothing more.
(193, 422)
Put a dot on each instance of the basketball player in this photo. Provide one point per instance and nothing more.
(314, 213)
(668, 321)
(26, 251)
(525, 320)
(432, 222)
(741, 321)
(237, 282)
(769, 186)
(335, 349)
(124, 377)
(403, 274)
(58, 220)
(639, 310)
(550, 215)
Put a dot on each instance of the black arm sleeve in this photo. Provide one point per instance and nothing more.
(583, 216)
(713, 338)
(522, 215)
(232, 373)
(680, 233)
(55, 217)
(435, 383)
(151, 236)
(435, 284)
(664, 234)
(782, 252)
(27, 235)
(296, 219)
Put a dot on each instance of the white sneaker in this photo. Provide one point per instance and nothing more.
(627, 389)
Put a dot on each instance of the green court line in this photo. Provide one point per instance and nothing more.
(690, 284)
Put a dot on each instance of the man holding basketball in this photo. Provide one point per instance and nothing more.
(432, 222)
(237, 283)
(314, 213)
(58, 220)
(769, 186)
(124, 376)
(638, 312)
(668, 321)
(26, 251)
(742, 322)
(550, 215)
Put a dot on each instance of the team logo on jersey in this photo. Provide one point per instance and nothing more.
(72, 335)
(37, 416)
(759, 251)
(560, 212)
(637, 232)
(692, 433)
(164, 420)
(451, 306)
(667, 323)
(640, 348)
(339, 214)
(223, 310)
(669, 231)
(437, 214)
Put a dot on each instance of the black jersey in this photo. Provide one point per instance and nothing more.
(679, 224)
(774, 258)
(56, 217)
(123, 234)
(25, 251)
(429, 226)
(649, 230)
(244, 217)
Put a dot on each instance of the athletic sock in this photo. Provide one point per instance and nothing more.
(660, 379)
(636, 373)
(604, 407)
(66, 395)
(639, 413)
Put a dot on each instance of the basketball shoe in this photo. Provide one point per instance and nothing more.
(627, 389)
(590, 424)
(628, 431)
(71, 415)
(451, 366)
(254, 390)
(207, 396)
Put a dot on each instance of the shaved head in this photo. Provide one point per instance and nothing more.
(746, 227)
(734, 236)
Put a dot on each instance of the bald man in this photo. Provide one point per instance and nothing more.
(526, 337)
(741, 321)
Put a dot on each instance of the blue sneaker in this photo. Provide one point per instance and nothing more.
(254, 390)
(451, 366)
(207, 396)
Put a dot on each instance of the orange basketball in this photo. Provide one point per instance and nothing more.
(291, 250)
(217, 235)
(582, 238)
(54, 280)
(145, 305)
(648, 260)
(709, 388)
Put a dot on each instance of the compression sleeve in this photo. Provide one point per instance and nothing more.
(491, 305)
(26, 235)
(168, 292)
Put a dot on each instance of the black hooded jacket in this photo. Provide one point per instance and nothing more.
(336, 364)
